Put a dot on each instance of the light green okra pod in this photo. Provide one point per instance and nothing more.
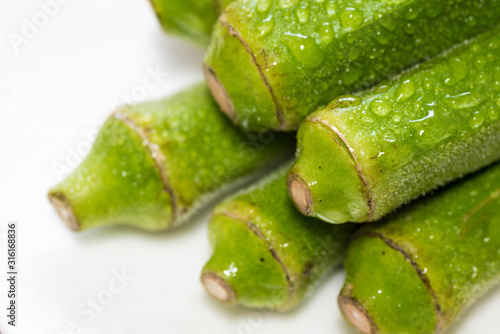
(363, 156)
(190, 19)
(153, 164)
(266, 254)
(419, 269)
(272, 62)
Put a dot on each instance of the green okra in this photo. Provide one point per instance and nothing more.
(363, 156)
(419, 269)
(266, 254)
(272, 62)
(155, 163)
(190, 19)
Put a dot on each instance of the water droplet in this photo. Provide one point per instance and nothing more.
(303, 14)
(493, 113)
(354, 53)
(405, 91)
(351, 17)
(380, 107)
(266, 26)
(463, 101)
(476, 119)
(382, 37)
(305, 50)
(351, 75)
(288, 3)
(326, 33)
(459, 68)
(434, 10)
(331, 8)
(345, 101)
(264, 5)
(411, 14)
(409, 29)
(386, 21)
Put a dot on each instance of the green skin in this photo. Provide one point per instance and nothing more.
(154, 164)
(189, 19)
(363, 156)
(293, 56)
(266, 252)
(418, 270)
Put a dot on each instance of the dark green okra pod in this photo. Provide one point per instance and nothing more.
(419, 269)
(190, 19)
(363, 156)
(155, 163)
(266, 254)
(272, 62)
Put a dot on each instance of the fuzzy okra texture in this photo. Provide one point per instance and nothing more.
(363, 156)
(419, 269)
(271, 63)
(266, 254)
(154, 164)
(189, 19)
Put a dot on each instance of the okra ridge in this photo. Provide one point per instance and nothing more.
(345, 293)
(301, 193)
(216, 86)
(156, 155)
(256, 230)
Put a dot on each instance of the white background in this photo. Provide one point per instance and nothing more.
(55, 91)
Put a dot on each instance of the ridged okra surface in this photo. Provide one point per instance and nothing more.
(266, 254)
(363, 156)
(272, 62)
(155, 163)
(418, 270)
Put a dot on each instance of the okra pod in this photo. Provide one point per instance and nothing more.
(189, 19)
(272, 62)
(418, 270)
(363, 156)
(266, 254)
(155, 163)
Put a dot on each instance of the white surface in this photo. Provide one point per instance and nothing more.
(59, 87)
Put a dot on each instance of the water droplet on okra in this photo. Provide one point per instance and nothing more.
(326, 33)
(405, 91)
(380, 107)
(304, 49)
(264, 5)
(303, 14)
(351, 17)
(266, 26)
(476, 119)
(345, 101)
(331, 8)
(463, 101)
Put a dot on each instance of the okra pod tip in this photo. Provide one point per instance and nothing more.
(63, 208)
(218, 288)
